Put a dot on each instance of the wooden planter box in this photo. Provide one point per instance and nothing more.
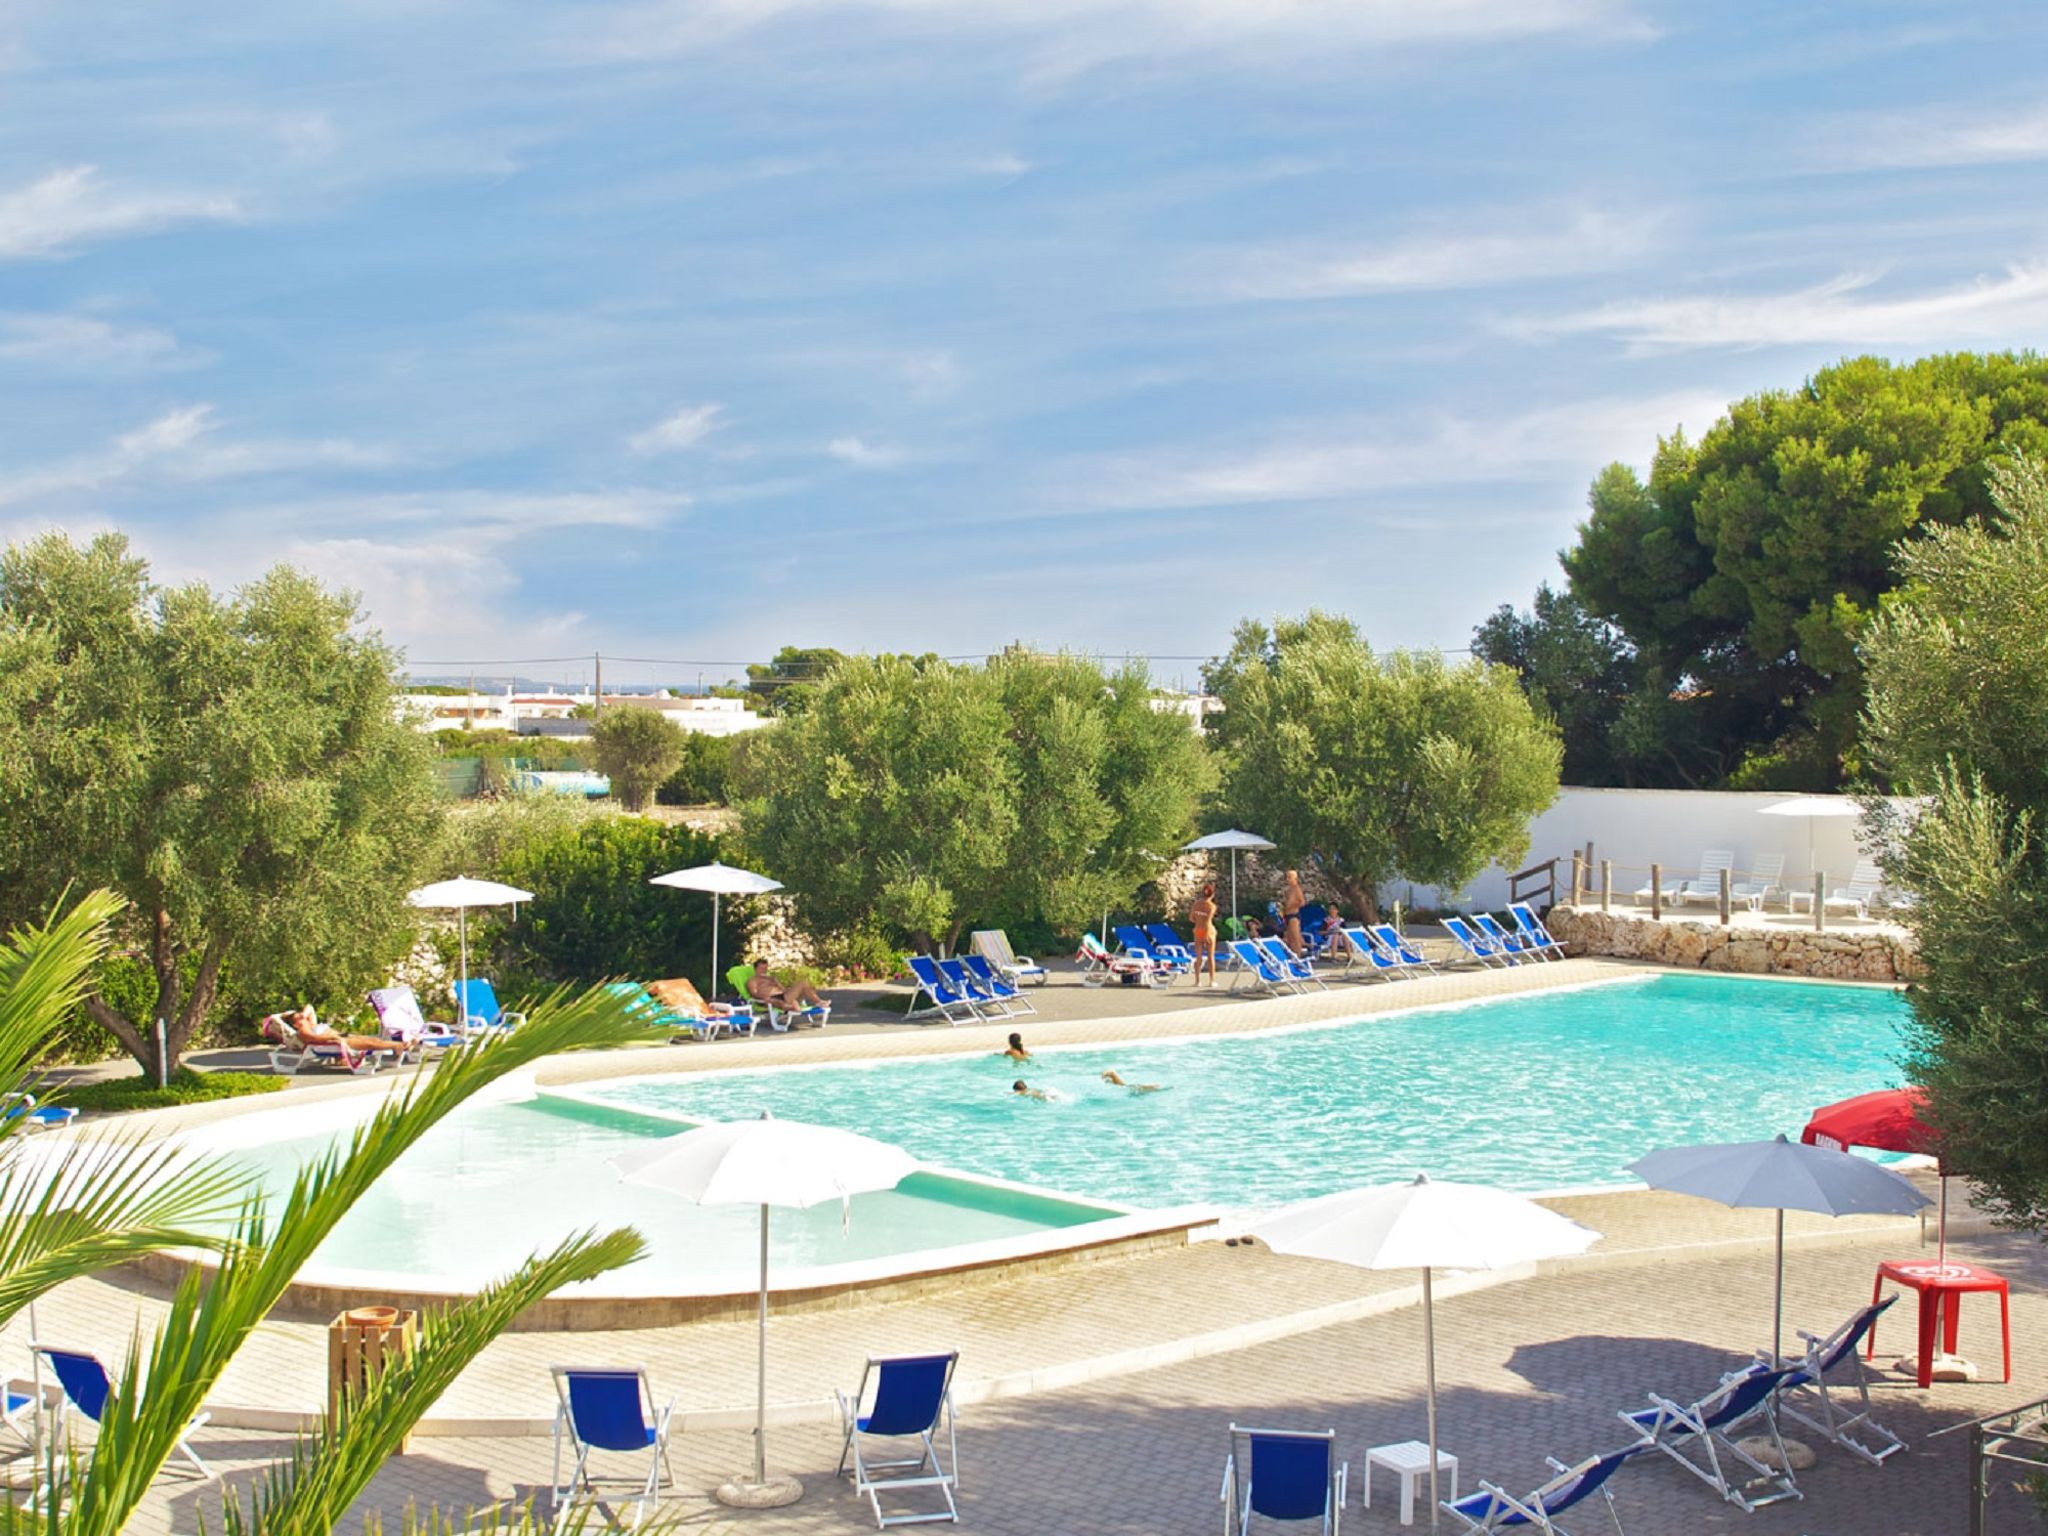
(359, 1345)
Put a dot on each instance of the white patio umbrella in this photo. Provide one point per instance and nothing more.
(1780, 1175)
(1233, 840)
(1425, 1225)
(765, 1162)
(1812, 808)
(462, 893)
(720, 880)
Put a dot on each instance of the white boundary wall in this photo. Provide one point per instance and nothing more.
(1671, 827)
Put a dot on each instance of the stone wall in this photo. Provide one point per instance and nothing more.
(1842, 956)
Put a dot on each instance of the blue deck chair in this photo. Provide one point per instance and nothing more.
(1300, 967)
(913, 1399)
(1476, 944)
(946, 1000)
(1493, 1508)
(1139, 946)
(991, 980)
(1532, 928)
(1280, 1474)
(1709, 1429)
(984, 998)
(1253, 965)
(85, 1386)
(1854, 1430)
(1358, 945)
(1388, 937)
(477, 1007)
(34, 1116)
(608, 1410)
(1167, 945)
(1513, 943)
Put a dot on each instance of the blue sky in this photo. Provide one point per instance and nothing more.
(690, 328)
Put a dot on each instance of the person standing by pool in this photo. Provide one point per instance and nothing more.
(1015, 1050)
(1292, 900)
(1202, 914)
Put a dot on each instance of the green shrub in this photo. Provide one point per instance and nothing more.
(862, 955)
(185, 1087)
(701, 778)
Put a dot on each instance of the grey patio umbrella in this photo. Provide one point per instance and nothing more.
(1233, 840)
(720, 880)
(1780, 1175)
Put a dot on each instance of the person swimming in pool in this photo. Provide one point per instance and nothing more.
(1015, 1050)
(1115, 1081)
(1024, 1090)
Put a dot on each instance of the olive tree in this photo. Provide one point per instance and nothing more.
(1958, 712)
(233, 766)
(637, 749)
(1378, 767)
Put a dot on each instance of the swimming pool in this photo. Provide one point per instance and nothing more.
(1541, 1091)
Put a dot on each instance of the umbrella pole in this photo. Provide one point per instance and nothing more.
(1233, 882)
(462, 998)
(714, 982)
(761, 1367)
(1941, 1220)
(1429, 1370)
(1778, 1299)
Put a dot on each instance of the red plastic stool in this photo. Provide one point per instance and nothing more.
(1941, 1288)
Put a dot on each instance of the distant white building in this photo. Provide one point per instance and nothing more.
(568, 714)
(1198, 707)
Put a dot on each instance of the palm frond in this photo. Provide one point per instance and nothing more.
(208, 1321)
(45, 973)
(308, 1495)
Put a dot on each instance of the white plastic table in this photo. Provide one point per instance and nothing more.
(1409, 1461)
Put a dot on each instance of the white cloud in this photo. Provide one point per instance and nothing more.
(1004, 167)
(181, 445)
(73, 207)
(1936, 137)
(685, 428)
(496, 514)
(1326, 461)
(1079, 34)
(862, 454)
(82, 343)
(1516, 248)
(1841, 311)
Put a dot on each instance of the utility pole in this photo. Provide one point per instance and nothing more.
(597, 698)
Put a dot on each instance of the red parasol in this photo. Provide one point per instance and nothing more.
(1888, 1120)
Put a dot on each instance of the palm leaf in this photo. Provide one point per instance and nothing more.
(308, 1495)
(209, 1319)
(46, 971)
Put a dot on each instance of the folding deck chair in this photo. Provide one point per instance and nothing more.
(1253, 964)
(1857, 1431)
(1515, 944)
(1280, 1474)
(1359, 946)
(913, 1398)
(985, 1001)
(608, 1410)
(1475, 943)
(1493, 1508)
(946, 1000)
(1533, 930)
(1300, 967)
(1389, 939)
(1005, 991)
(1710, 1427)
(85, 1387)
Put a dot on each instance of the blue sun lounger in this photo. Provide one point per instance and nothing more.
(1005, 991)
(1388, 937)
(1167, 945)
(1252, 963)
(913, 1399)
(1493, 1508)
(608, 1410)
(87, 1389)
(1475, 943)
(946, 1000)
(1854, 1430)
(1709, 1429)
(985, 1001)
(1359, 946)
(1283, 1474)
(477, 1007)
(1532, 928)
(1134, 942)
(1515, 944)
(1300, 967)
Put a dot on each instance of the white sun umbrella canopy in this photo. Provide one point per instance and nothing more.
(720, 880)
(462, 893)
(1233, 839)
(1781, 1175)
(766, 1162)
(1427, 1225)
(1812, 808)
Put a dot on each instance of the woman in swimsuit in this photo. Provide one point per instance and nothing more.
(1016, 1051)
(1203, 915)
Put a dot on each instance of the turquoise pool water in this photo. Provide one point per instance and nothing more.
(497, 1182)
(1538, 1092)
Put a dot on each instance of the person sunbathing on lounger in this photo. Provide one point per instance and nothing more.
(306, 1025)
(1015, 1050)
(1113, 1080)
(1024, 1090)
(791, 997)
